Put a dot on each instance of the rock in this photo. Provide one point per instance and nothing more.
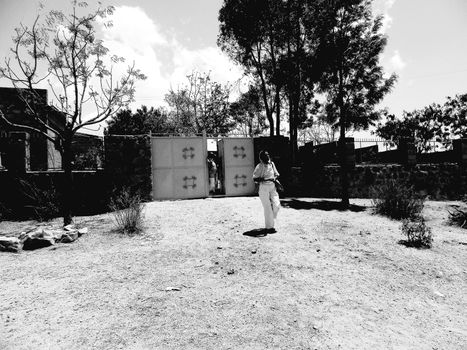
(230, 272)
(10, 244)
(253, 251)
(438, 294)
(82, 231)
(38, 239)
(36, 243)
(68, 237)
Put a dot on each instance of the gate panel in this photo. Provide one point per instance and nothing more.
(189, 183)
(189, 152)
(238, 161)
(179, 167)
(163, 183)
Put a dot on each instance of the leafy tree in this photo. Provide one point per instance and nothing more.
(65, 51)
(249, 35)
(353, 82)
(144, 121)
(201, 105)
(435, 122)
(454, 118)
(421, 126)
(304, 29)
(247, 113)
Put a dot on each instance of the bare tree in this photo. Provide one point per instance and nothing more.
(63, 51)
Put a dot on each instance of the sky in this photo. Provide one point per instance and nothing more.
(168, 39)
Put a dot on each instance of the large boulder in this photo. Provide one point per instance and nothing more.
(10, 244)
(38, 239)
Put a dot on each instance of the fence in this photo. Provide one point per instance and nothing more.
(379, 151)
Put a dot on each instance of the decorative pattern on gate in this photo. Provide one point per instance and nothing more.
(188, 152)
(239, 178)
(239, 152)
(189, 182)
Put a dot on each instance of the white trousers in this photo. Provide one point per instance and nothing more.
(270, 200)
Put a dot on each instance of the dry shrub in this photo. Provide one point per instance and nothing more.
(43, 203)
(397, 200)
(127, 209)
(418, 234)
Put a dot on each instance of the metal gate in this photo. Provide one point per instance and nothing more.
(179, 167)
(238, 165)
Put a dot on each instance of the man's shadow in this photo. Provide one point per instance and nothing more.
(257, 232)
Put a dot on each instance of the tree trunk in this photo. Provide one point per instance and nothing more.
(342, 121)
(271, 122)
(67, 198)
(278, 111)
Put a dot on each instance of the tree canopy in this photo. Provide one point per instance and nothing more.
(144, 121)
(428, 125)
(200, 105)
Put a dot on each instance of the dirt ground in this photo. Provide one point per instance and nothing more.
(193, 280)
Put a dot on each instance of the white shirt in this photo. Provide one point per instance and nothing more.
(266, 171)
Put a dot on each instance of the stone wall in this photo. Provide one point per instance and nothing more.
(127, 164)
(438, 181)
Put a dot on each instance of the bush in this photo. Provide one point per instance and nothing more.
(43, 203)
(4, 212)
(128, 212)
(397, 200)
(458, 214)
(417, 232)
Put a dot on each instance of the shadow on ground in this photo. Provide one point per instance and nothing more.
(257, 232)
(320, 205)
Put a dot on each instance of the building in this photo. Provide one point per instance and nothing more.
(29, 150)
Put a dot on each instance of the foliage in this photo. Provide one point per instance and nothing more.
(434, 122)
(396, 200)
(91, 159)
(144, 121)
(418, 234)
(127, 209)
(44, 203)
(458, 214)
(246, 36)
(201, 105)
(246, 112)
(63, 49)
(279, 45)
(353, 82)
(419, 126)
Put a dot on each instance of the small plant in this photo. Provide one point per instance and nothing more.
(397, 200)
(128, 211)
(44, 203)
(458, 214)
(418, 234)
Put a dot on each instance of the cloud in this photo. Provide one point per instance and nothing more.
(396, 61)
(163, 59)
(383, 7)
